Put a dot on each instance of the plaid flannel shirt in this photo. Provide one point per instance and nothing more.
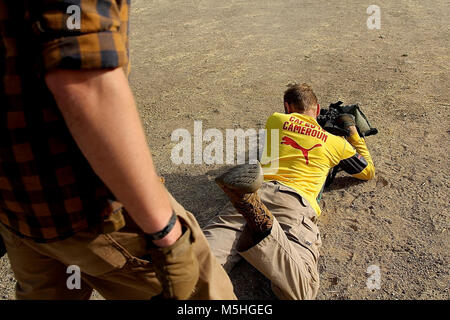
(48, 191)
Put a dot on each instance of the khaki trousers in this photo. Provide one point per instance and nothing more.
(109, 263)
(287, 256)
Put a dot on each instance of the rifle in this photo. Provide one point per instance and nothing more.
(328, 121)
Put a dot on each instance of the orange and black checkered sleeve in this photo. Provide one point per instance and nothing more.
(83, 34)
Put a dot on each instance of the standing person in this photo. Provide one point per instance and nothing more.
(72, 146)
(272, 219)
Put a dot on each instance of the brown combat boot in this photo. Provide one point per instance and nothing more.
(241, 184)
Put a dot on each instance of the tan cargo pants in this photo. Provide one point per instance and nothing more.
(287, 256)
(109, 263)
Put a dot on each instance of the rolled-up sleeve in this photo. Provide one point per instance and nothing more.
(83, 34)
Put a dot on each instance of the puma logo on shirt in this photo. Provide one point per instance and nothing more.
(294, 144)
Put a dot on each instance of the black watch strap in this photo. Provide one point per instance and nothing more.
(161, 234)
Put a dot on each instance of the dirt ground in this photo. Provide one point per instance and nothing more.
(227, 63)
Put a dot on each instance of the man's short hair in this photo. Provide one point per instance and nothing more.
(301, 96)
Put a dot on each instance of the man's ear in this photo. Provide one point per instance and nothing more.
(287, 108)
(318, 110)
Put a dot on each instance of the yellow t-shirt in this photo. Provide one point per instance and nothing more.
(306, 153)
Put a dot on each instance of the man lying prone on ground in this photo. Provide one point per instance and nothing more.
(273, 217)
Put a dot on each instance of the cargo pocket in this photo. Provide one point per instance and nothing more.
(307, 235)
(132, 249)
(92, 252)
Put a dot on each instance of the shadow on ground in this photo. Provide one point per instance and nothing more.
(345, 182)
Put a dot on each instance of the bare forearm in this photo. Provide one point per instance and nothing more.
(100, 112)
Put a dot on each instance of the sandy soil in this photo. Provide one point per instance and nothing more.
(226, 63)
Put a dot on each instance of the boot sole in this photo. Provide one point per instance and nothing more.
(244, 178)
